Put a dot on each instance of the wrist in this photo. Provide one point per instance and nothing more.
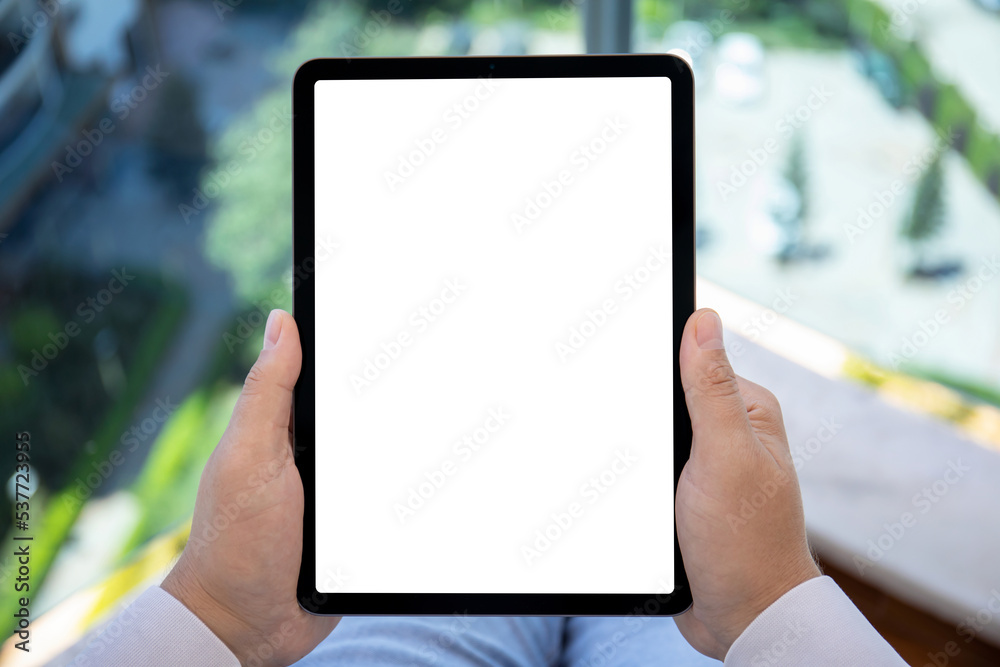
(183, 584)
(793, 576)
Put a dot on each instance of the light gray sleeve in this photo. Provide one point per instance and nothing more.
(156, 630)
(812, 624)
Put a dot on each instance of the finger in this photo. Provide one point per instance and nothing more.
(264, 405)
(718, 413)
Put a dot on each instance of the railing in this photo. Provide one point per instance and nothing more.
(31, 80)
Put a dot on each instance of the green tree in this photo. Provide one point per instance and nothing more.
(798, 177)
(926, 216)
(249, 232)
(791, 205)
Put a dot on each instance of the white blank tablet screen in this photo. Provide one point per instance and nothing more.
(493, 336)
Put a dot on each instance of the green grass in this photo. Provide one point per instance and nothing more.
(971, 389)
(953, 399)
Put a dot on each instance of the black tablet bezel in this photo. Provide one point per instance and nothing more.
(682, 136)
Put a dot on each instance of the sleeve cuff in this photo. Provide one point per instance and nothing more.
(815, 623)
(157, 629)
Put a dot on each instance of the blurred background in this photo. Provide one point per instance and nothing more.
(848, 195)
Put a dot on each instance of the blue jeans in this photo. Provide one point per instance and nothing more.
(526, 641)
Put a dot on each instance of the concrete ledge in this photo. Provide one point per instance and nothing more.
(899, 499)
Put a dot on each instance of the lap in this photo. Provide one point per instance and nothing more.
(447, 641)
(375, 641)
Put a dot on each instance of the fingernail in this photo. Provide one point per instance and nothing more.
(272, 331)
(708, 331)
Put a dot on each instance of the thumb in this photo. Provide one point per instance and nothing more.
(718, 413)
(262, 412)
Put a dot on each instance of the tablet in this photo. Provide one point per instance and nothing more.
(494, 261)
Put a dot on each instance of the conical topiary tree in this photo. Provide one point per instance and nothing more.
(791, 216)
(796, 174)
(926, 216)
